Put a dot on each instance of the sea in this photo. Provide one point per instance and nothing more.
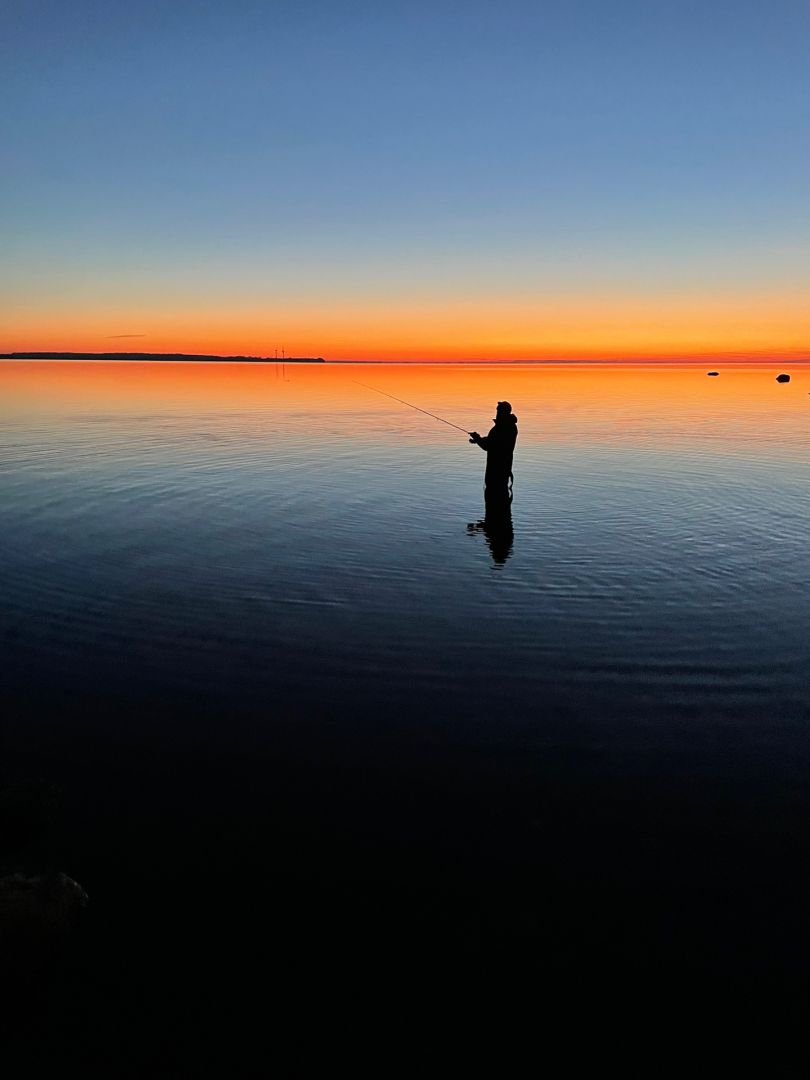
(303, 721)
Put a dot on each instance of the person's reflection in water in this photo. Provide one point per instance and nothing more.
(497, 525)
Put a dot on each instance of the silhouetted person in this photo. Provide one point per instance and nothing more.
(500, 446)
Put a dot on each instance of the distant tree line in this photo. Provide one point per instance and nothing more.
(161, 356)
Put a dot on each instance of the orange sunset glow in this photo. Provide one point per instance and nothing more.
(619, 327)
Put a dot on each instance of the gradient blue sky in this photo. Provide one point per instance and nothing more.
(248, 170)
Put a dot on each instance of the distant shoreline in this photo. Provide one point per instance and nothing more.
(164, 357)
(210, 358)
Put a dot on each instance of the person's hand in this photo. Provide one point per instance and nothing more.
(474, 436)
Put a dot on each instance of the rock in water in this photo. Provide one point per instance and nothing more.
(712, 372)
(37, 914)
(49, 899)
(783, 378)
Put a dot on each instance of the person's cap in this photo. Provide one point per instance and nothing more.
(505, 406)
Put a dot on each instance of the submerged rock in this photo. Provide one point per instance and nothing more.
(712, 372)
(783, 378)
(50, 900)
(38, 913)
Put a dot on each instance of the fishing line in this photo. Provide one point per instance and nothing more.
(403, 402)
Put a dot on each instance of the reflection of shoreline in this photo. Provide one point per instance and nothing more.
(497, 527)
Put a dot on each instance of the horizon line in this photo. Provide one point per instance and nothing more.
(167, 357)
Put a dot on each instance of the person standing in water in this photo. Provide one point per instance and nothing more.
(500, 446)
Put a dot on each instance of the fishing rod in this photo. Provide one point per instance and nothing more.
(403, 402)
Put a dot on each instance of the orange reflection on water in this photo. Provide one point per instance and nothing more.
(463, 394)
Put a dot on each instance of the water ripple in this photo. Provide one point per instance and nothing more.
(293, 552)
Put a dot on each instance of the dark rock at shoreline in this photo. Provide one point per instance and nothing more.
(783, 378)
(712, 372)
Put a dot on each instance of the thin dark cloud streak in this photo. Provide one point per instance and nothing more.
(124, 335)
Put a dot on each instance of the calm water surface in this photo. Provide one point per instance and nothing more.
(293, 542)
(306, 705)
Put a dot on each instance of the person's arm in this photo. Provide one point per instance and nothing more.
(482, 440)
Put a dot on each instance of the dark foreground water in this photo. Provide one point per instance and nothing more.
(314, 734)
